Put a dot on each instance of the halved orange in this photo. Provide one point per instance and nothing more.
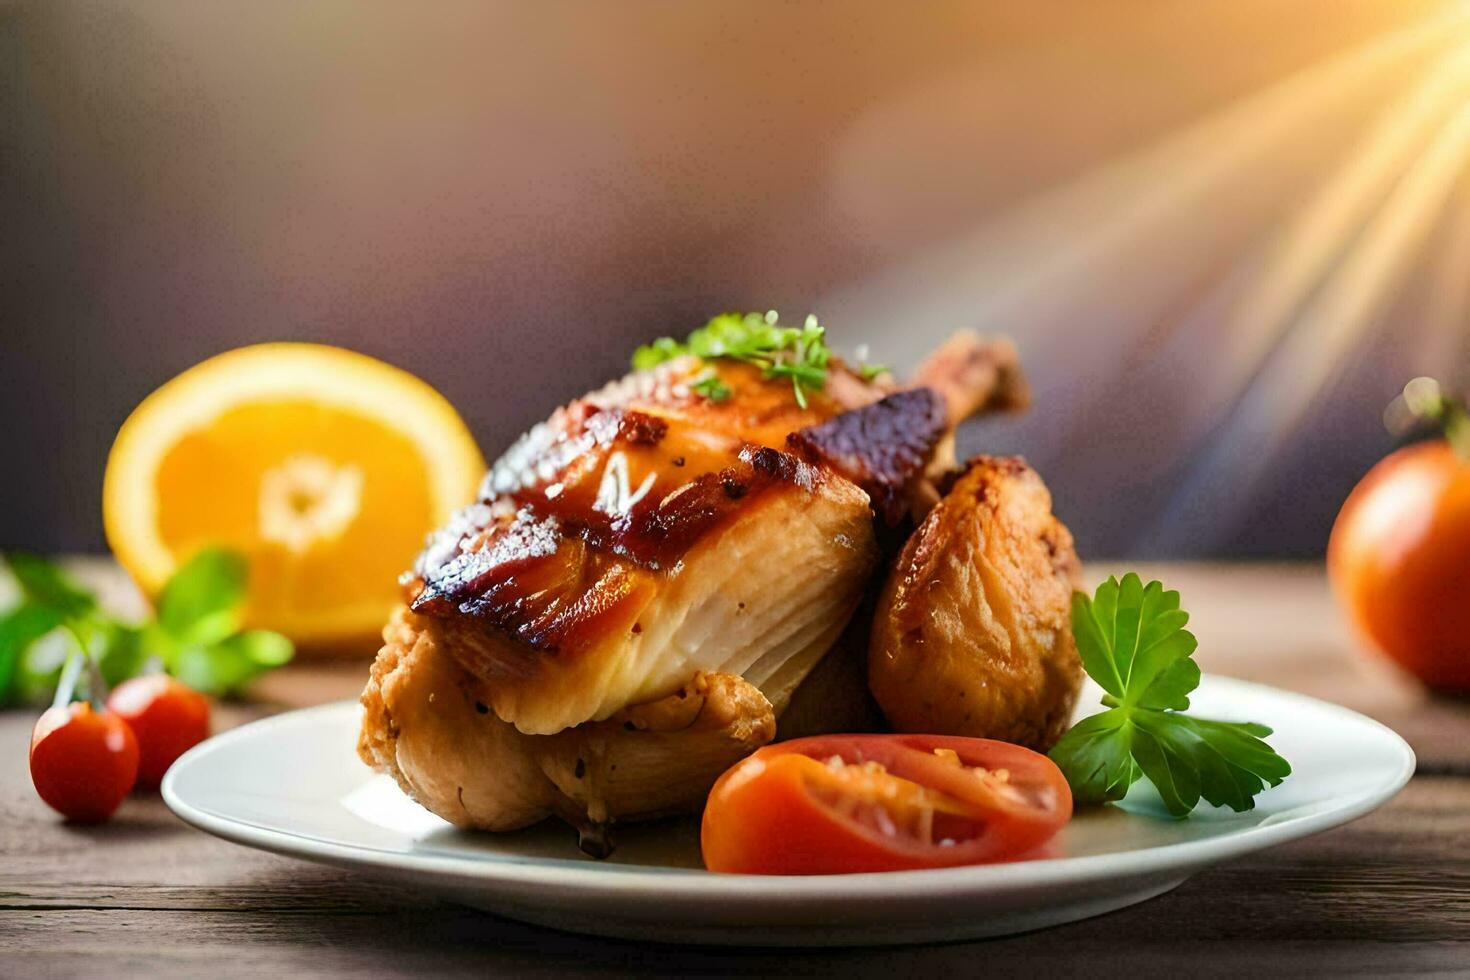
(324, 467)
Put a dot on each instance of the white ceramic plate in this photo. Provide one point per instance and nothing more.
(293, 784)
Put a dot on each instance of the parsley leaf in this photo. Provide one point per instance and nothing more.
(196, 636)
(19, 628)
(201, 602)
(1133, 643)
(231, 663)
(44, 584)
(661, 350)
(798, 353)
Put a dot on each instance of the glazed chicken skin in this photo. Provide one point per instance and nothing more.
(647, 579)
(644, 533)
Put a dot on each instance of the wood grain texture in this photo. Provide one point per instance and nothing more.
(1386, 895)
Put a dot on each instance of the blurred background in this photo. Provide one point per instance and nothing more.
(1224, 234)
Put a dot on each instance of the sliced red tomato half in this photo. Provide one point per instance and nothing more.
(836, 804)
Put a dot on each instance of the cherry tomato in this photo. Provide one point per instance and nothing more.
(1399, 558)
(167, 717)
(83, 762)
(835, 804)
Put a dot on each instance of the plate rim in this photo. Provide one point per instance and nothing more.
(601, 880)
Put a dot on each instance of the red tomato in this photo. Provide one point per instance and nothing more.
(167, 717)
(835, 804)
(1399, 558)
(83, 763)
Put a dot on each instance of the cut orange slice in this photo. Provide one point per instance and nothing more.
(324, 467)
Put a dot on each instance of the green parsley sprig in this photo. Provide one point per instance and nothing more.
(1133, 642)
(798, 353)
(196, 634)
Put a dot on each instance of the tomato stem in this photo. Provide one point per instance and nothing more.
(81, 656)
(1424, 400)
(1457, 431)
(67, 684)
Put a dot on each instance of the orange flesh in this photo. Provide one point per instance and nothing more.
(353, 558)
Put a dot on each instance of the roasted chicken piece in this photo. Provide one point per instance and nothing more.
(658, 758)
(972, 633)
(423, 725)
(427, 723)
(643, 534)
(646, 580)
(971, 373)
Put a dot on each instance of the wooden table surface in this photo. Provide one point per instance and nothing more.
(1390, 894)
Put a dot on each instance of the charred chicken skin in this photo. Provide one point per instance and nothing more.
(647, 579)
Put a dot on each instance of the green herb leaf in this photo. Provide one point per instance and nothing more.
(1093, 644)
(262, 648)
(798, 353)
(711, 387)
(200, 603)
(40, 666)
(195, 636)
(1094, 755)
(226, 667)
(1237, 761)
(123, 653)
(661, 350)
(44, 584)
(1164, 753)
(19, 628)
(1133, 643)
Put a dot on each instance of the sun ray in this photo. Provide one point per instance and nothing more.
(1319, 234)
(1221, 483)
(1144, 221)
(1255, 297)
(1445, 329)
(1170, 273)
